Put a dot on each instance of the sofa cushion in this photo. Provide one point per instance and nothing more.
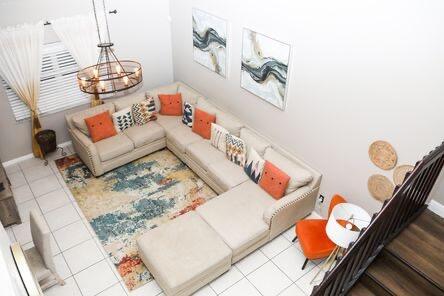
(230, 123)
(171, 104)
(128, 100)
(184, 254)
(100, 126)
(145, 134)
(113, 147)
(78, 118)
(227, 174)
(204, 154)
(168, 122)
(188, 94)
(202, 123)
(182, 136)
(237, 215)
(254, 141)
(274, 180)
(205, 105)
(298, 175)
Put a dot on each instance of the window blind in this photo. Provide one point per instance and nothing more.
(58, 84)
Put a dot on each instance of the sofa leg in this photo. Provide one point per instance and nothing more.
(305, 263)
(295, 238)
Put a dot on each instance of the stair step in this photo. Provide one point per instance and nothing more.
(366, 286)
(420, 246)
(398, 278)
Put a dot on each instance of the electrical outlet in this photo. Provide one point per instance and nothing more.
(321, 198)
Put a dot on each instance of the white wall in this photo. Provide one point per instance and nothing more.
(140, 30)
(360, 71)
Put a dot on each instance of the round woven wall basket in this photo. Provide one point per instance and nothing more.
(380, 187)
(383, 155)
(400, 172)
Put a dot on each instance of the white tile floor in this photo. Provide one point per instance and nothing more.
(274, 269)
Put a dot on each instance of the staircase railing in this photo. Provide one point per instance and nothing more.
(407, 202)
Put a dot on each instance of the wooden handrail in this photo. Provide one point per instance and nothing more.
(407, 202)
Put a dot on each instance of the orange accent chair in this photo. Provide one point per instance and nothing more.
(312, 236)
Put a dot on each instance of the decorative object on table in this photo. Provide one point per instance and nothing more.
(48, 143)
(144, 193)
(210, 41)
(20, 66)
(400, 172)
(345, 222)
(39, 257)
(235, 149)
(264, 69)
(380, 187)
(383, 155)
(312, 236)
(8, 209)
(109, 75)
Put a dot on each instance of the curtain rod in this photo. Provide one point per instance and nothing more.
(47, 23)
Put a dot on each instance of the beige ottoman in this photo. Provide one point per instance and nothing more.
(184, 254)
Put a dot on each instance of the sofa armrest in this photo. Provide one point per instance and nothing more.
(289, 209)
(87, 151)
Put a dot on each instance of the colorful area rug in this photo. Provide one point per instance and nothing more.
(126, 202)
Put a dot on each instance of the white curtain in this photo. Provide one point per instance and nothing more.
(20, 65)
(79, 35)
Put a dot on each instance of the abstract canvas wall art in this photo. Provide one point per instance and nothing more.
(264, 68)
(210, 41)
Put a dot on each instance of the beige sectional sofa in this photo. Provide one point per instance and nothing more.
(243, 216)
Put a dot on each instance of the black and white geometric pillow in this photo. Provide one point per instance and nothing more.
(254, 165)
(187, 117)
(123, 119)
(236, 149)
(151, 103)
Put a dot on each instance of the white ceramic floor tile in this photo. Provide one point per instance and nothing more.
(44, 185)
(26, 207)
(226, 280)
(82, 256)
(289, 234)
(115, 290)
(276, 246)
(62, 267)
(269, 280)
(61, 217)
(243, 287)
(71, 235)
(252, 262)
(205, 291)
(53, 200)
(22, 194)
(22, 233)
(31, 162)
(69, 289)
(293, 290)
(17, 179)
(36, 172)
(95, 279)
(11, 169)
(304, 282)
(290, 262)
(149, 289)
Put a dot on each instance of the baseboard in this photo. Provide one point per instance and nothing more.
(436, 208)
(30, 155)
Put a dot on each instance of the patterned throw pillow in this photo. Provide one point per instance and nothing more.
(218, 137)
(123, 119)
(187, 117)
(254, 165)
(235, 149)
(141, 113)
(151, 103)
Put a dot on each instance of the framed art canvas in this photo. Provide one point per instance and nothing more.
(210, 41)
(264, 69)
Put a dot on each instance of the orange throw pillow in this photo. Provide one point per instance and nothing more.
(171, 104)
(274, 181)
(100, 126)
(202, 123)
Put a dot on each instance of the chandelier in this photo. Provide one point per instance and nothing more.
(109, 75)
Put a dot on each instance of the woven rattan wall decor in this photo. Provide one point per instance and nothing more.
(380, 187)
(383, 155)
(399, 173)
